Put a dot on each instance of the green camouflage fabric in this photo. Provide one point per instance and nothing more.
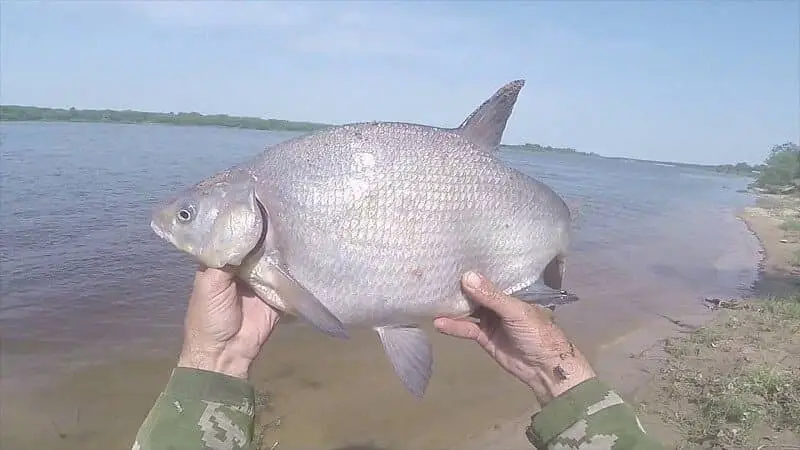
(200, 410)
(211, 411)
(589, 416)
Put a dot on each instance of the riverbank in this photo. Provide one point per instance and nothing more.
(726, 357)
(735, 382)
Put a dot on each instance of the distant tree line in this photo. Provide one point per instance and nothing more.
(32, 113)
(737, 169)
(780, 172)
(546, 148)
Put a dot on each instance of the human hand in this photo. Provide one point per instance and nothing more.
(226, 324)
(522, 338)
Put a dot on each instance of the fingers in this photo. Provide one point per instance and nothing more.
(484, 293)
(457, 328)
(252, 305)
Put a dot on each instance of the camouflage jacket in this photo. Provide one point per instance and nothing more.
(207, 410)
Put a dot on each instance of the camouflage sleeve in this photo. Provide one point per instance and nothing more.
(200, 410)
(589, 416)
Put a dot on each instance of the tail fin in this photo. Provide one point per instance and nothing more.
(553, 274)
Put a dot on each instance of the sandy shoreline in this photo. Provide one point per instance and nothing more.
(630, 363)
(735, 383)
(471, 401)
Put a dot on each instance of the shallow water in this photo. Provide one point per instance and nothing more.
(85, 280)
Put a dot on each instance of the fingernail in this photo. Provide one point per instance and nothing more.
(472, 280)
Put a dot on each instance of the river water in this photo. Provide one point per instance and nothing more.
(85, 280)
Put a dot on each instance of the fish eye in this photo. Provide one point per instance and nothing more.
(186, 214)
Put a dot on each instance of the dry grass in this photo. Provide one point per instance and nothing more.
(791, 226)
(791, 233)
(795, 259)
(266, 422)
(736, 382)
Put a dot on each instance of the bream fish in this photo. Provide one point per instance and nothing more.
(373, 224)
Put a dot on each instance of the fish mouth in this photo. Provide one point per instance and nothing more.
(188, 248)
(160, 233)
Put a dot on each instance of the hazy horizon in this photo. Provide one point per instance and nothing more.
(504, 143)
(707, 83)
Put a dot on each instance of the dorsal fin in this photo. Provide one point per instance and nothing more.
(485, 126)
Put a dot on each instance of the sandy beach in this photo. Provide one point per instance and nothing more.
(342, 399)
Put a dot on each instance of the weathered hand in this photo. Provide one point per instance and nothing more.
(226, 324)
(522, 338)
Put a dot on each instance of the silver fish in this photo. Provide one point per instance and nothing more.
(373, 224)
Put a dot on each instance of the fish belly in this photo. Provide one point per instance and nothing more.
(384, 241)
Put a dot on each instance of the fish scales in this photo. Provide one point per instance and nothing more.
(404, 218)
(373, 224)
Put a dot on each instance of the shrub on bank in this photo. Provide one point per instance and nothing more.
(780, 172)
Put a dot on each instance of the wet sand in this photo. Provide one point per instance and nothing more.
(328, 394)
(728, 355)
(340, 398)
(765, 219)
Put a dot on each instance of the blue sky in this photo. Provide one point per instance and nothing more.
(708, 82)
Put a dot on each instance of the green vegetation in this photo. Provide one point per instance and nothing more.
(791, 226)
(795, 259)
(781, 169)
(780, 172)
(32, 113)
(542, 148)
(741, 168)
(736, 382)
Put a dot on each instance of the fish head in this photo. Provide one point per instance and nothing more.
(218, 221)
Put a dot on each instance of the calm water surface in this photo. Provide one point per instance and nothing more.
(84, 277)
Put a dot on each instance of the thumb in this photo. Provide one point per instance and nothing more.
(210, 283)
(214, 279)
(485, 293)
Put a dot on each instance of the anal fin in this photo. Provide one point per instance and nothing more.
(547, 290)
(544, 296)
(410, 352)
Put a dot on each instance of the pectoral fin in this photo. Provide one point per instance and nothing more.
(410, 354)
(305, 304)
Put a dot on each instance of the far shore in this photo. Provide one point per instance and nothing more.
(19, 113)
